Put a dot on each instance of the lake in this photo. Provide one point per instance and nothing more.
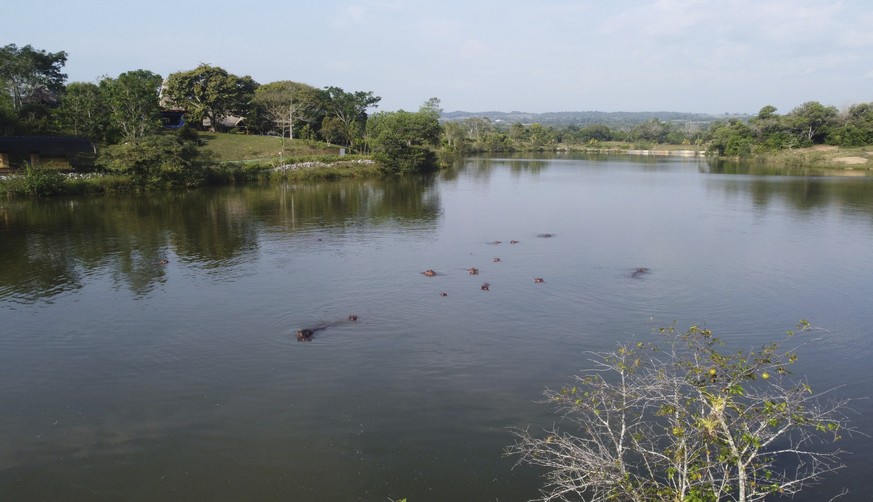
(126, 378)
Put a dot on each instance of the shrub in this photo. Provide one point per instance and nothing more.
(164, 160)
(682, 420)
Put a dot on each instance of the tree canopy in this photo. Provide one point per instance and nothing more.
(83, 112)
(403, 141)
(132, 101)
(349, 109)
(26, 71)
(210, 92)
(287, 103)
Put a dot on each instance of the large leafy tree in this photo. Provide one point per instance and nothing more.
(770, 131)
(349, 109)
(83, 112)
(31, 75)
(856, 128)
(403, 142)
(289, 105)
(731, 138)
(455, 137)
(210, 92)
(8, 117)
(132, 101)
(811, 121)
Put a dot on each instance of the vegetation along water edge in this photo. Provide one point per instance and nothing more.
(202, 126)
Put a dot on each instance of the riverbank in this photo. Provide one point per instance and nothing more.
(823, 156)
(246, 159)
(44, 182)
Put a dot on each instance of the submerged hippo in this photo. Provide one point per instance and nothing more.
(639, 272)
(305, 334)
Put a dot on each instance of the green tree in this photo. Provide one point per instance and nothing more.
(8, 117)
(133, 103)
(334, 131)
(289, 106)
(731, 138)
(767, 112)
(31, 75)
(454, 137)
(770, 130)
(82, 111)
(517, 132)
(350, 109)
(539, 135)
(159, 160)
(478, 128)
(856, 127)
(684, 420)
(653, 131)
(811, 122)
(594, 132)
(210, 92)
(404, 142)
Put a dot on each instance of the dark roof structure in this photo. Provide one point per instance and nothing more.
(46, 145)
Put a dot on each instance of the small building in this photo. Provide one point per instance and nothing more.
(226, 123)
(58, 152)
(173, 119)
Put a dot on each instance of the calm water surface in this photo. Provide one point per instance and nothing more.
(125, 379)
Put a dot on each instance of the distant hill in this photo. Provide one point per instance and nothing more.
(610, 119)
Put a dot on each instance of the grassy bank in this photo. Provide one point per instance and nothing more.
(821, 156)
(237, 159)
(824, 156)
(244, 159)
(244, 147)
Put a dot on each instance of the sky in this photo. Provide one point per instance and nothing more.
(705, 56)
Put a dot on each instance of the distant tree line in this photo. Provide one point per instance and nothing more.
(126, 116)
(479, 134)
(806, 125)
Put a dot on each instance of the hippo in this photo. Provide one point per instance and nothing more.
(639, 272)
(305, 334)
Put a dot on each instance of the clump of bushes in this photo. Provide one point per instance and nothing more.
(159, 161)
(37, 180)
